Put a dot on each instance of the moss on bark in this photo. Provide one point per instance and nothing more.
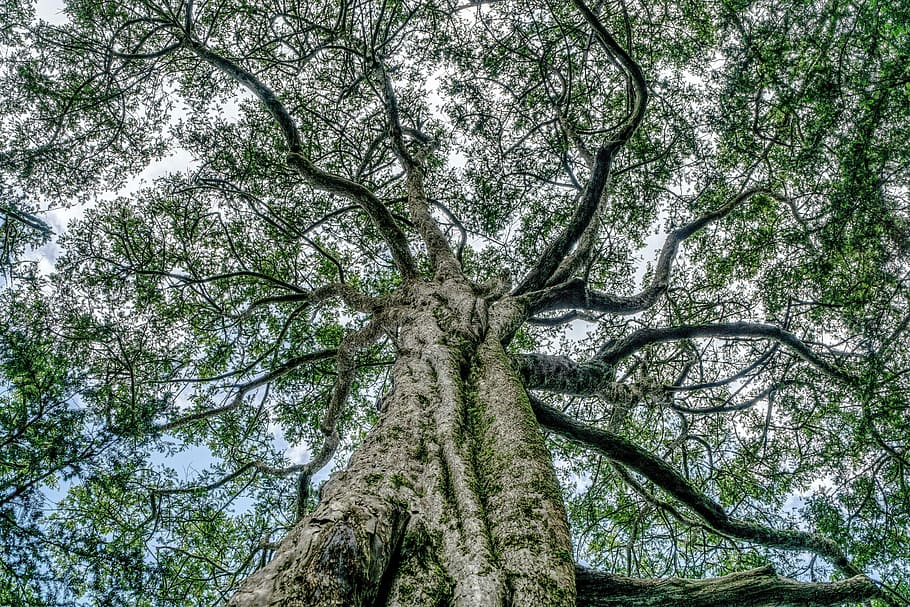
(457, 455)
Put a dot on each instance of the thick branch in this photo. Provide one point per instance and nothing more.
(441, 256)
(562, 375)
(396, 134)
(575, 293)
(580, 229)
(562, 245)
(753, 588)
(315, 176)
(664, 476)
(349, 295)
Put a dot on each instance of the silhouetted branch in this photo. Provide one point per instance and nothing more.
(315, 176)
(246, 388)
(667, 478)
(26, 219)
(678, 386)
(627, 346)
(575, 293)
(629, 66)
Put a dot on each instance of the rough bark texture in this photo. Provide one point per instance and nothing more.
(452, 499)
(751, 588)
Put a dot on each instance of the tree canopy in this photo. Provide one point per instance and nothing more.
(700, 207)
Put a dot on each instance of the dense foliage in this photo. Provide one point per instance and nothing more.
(168, 388)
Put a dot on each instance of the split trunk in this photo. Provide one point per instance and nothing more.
(452, 498)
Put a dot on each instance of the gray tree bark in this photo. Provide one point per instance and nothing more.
(452, 499)
(752, 588)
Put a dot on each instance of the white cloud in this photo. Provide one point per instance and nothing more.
(51, 11)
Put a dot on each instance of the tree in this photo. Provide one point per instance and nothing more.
(393, 221)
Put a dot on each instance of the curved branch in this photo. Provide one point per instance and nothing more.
(441, 256)
(582, 243)
(246, 388)
(644, 337)
(563, 375)
(145, 56)
(379, 214)
(667, 478)
(555, 252)
(315, 176)
(652, 499)
(759, 362)
(254, 85)
(559, 259)
(346, 367)
(191, 281)
(632, 69)
(256, 465)
(728, 407)
(575, 293)
(279, 339)
(562, 319)
(752, 588)
(396, 133)
(276, 221)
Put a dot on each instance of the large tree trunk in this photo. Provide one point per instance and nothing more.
(451, 500)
